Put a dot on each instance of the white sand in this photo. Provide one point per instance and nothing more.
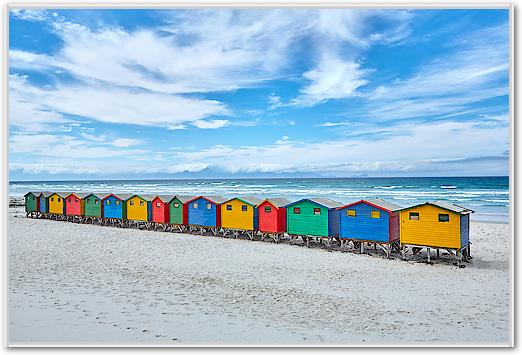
(90, 284)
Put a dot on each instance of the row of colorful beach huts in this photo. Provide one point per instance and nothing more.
(375, 222)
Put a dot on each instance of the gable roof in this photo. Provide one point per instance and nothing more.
(164, 198)
(444, 205)
(321, 201)
(62, 194)
(183, 198)
(84, 194)
(123, 197)
(47, 193)
(275, 201)
(106, 195)
(34, 193)
(215, 199)
(100, 196)
(375, 202)
(249, 200)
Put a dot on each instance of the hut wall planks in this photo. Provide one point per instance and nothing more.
(427, 230)
(237, 214)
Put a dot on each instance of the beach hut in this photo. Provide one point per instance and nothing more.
(240, 213)
(370, 221)
(114, 211)
(74, 206)
(438, 225)
(271, 215)
(92, 206)
(43, 206)
(178, 207)
(160, 212)
(56, 204)
(32, 203)
(138, 208)
(204, 212)
(313, 217)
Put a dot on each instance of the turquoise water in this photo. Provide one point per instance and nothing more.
(488, 196)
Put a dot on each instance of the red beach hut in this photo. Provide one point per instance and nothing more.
(272, 215)
(160, 208)
(73, 205)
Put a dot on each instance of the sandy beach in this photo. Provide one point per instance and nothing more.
(85, 284)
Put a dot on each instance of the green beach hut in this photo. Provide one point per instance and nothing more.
(178, 209)
(92, 205)
(32, 200)
(312, 217)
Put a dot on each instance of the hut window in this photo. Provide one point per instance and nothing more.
(195, 205)
(69, 199)
(96, 202)
(131, 203)
(268, 209)
(59, 199)
(109, 202)
(297, 210)
(158, 204)
(141, 203)
(176, 205)
(117, 202)
(75, 200)
(209, 206)
(317, 211)
(33, 198)
(229, 207)
(443, 217)
(350, 213)
(52, 199)
(375, 214)
(414, 216)
(244, 208)
(88, 200)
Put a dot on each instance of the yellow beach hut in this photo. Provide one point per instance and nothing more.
(438, 225)
(138, 208)
(240, 213)
(56, 203)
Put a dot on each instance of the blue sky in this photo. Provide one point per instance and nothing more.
(97, 94)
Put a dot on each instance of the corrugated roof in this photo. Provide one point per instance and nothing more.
(165, 198)
(184, 198)
(444, 205)
(124, 197)
(252, 200)
(216, 198)
(326, 202)
(451, 206)
(36, 193)
(276, 201)
(84, 194)
(384, 204)
(47, 193)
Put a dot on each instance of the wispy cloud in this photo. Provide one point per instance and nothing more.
(211, 124)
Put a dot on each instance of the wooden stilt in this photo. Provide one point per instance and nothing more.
(429, 254)
(438, 255)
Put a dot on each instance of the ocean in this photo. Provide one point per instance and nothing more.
(487, 196)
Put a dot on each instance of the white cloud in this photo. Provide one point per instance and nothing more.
(332, 79)
(30, 104)
(333, 124)
(412, 145)
(211, 124)
(125, 142)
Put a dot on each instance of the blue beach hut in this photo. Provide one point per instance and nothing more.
(204, 211)
(113, 206)
(372, 220)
